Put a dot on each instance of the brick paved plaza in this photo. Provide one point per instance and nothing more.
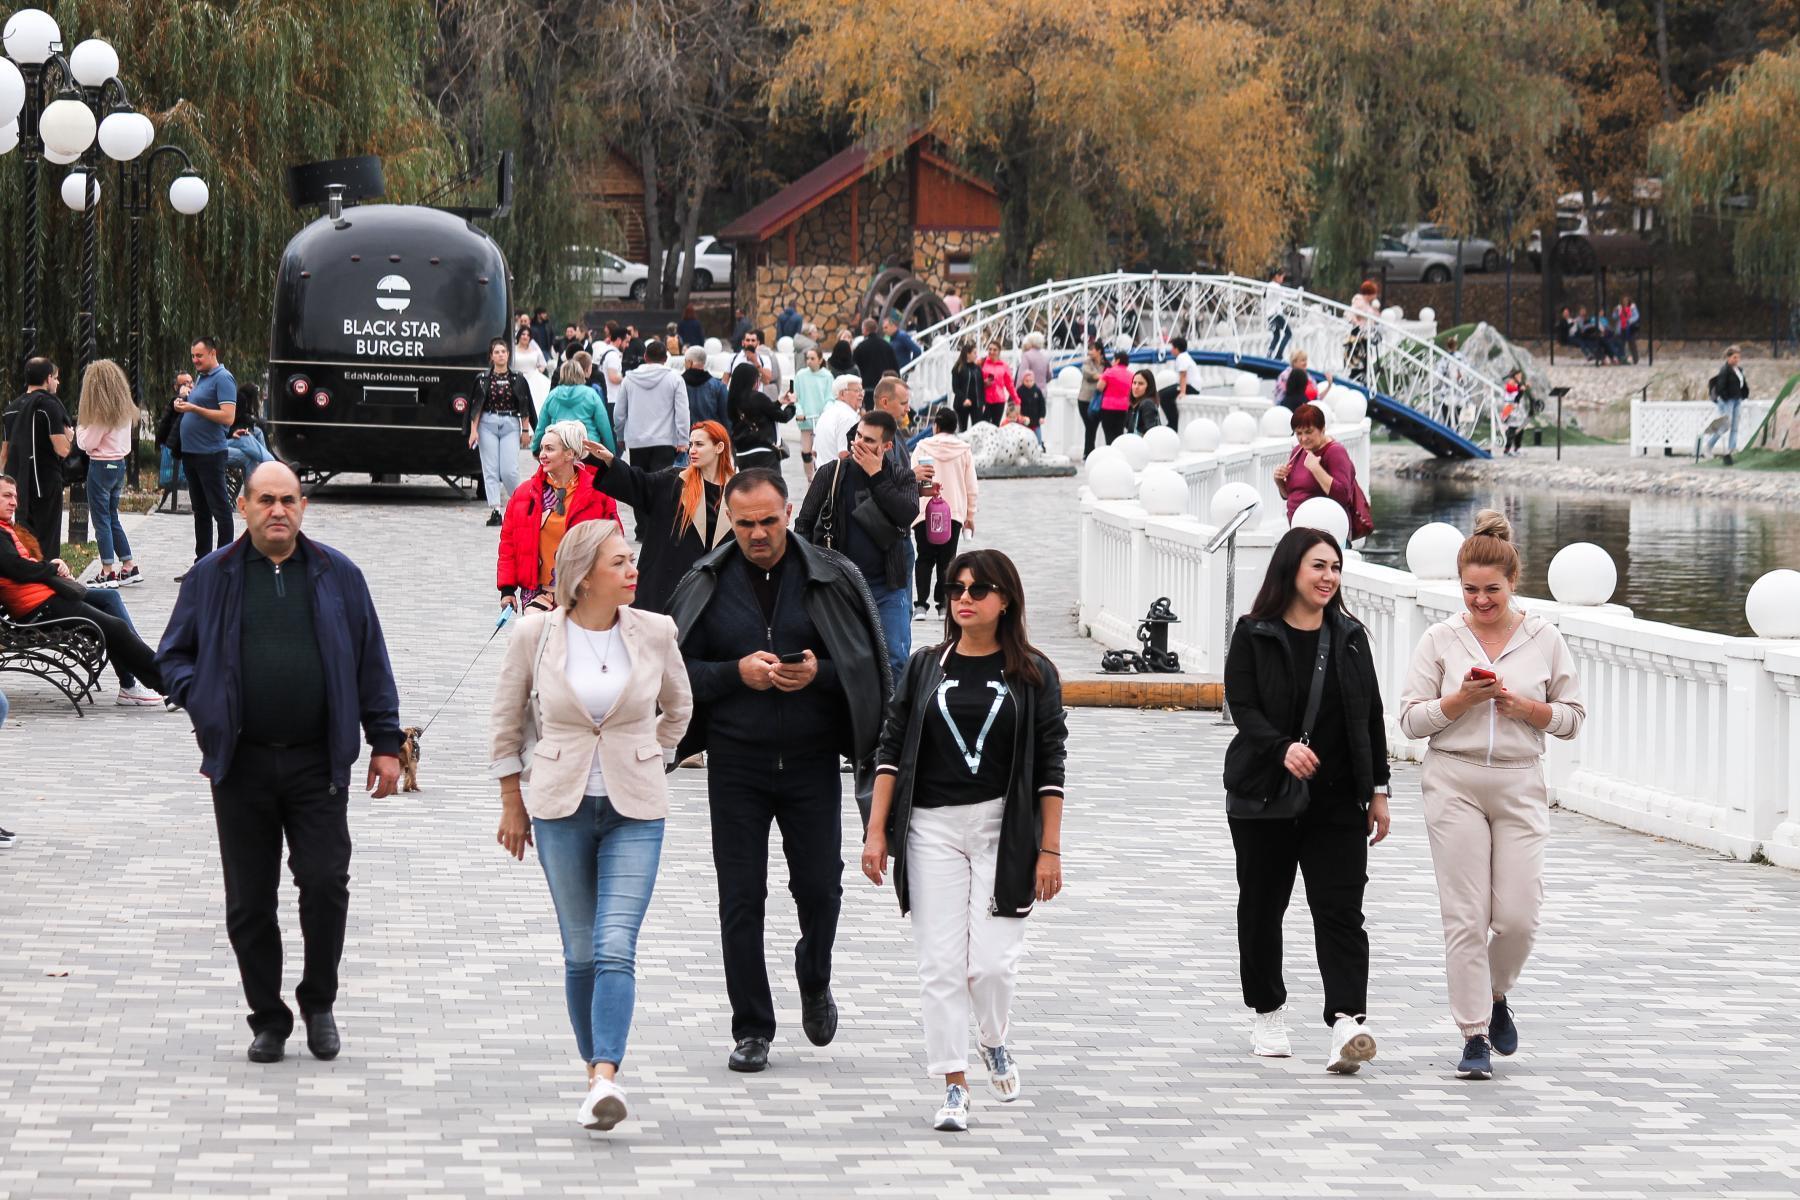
(1658, 1014)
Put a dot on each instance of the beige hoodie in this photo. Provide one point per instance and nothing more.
(1536, 664)
(954, 468)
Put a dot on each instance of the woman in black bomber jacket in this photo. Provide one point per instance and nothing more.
(1268, 676)
(968, 390)
(969, 790)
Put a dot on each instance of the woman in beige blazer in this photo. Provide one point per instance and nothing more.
(604, 688)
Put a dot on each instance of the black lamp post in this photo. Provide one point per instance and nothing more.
(187, 194)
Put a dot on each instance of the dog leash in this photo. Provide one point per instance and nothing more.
(506, 615)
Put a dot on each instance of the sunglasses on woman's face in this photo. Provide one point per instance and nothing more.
(976, 591)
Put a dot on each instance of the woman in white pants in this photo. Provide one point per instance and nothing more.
(969, 792)
(1485, 687)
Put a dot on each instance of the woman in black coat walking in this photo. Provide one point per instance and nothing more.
(969, 798)
(754, 419)
(1306, 786)
(968, 389)
(681, 512)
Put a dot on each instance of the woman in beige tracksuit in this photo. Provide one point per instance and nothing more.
(1485, 687)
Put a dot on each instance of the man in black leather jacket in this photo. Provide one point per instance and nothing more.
(785, 655)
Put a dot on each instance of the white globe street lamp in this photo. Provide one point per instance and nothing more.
(93, 62)
(124, 135)
(75, 191)
(67, 126)
(188, 194)
(12, 90)
(60, 160)
(30, 35)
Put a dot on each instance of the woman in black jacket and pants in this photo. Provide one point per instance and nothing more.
(754, 419)
(969, 801)
(968, 390)
(1341, 757)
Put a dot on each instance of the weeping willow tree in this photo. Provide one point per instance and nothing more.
(247, 89)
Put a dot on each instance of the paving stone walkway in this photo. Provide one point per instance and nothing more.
(1657, 1015)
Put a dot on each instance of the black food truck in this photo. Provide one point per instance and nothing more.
(382, 318)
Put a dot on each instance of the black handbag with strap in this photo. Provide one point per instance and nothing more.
(1290, 794)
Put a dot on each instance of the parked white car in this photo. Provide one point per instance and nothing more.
(606, 275)
(712, 264)
(1478, 254)
(1401, 263)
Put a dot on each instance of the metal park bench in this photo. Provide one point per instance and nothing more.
(69, 652)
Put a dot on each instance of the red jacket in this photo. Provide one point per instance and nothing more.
(519, 567)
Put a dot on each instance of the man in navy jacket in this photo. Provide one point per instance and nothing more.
(276, 653)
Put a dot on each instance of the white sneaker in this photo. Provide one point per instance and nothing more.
(1352, 1045)
(1269, 1035)
(954, 1116)
(604, 1106)
(1003, 1073)
(137, 695)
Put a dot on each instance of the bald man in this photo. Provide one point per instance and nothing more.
(275, 651)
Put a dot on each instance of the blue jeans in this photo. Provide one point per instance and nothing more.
(601, 868)
(1726, 407)
(248, 452)
(498, 438)
(105, 484)
(895, 607)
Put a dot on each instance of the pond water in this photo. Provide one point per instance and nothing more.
(1685, 561)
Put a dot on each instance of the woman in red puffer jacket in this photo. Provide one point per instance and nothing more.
(998, 380)
(561, 495)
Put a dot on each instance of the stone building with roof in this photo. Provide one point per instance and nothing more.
(822, 240)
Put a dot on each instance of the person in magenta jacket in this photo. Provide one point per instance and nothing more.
(1319, 466)
(1115, 396)
(998, 380)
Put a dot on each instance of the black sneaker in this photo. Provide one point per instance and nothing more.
(1503, 1033)
(1728, 460)
(750, 1054)
(819, 1017)
(1476, 1062)
(6, 839)
(493, 518)
(130, 578)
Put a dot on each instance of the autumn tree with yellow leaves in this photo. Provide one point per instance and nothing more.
(1172, 109)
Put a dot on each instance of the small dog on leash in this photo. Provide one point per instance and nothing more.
(409, 758)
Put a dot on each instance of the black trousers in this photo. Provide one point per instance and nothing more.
(1114, 424)
(1329, 845)
(43, 516)
(932, 557)
(129, 655)
(1169, 399)
(269, 793)
(653, 458)
(212, 503)
(804, 796)
(1090, 429)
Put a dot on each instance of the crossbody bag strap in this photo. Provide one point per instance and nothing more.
(1316, 690)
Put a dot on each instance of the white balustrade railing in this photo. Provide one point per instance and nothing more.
(1677, 424)
(1690, 735)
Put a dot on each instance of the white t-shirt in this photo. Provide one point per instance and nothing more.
(833, 430)
(1186, 368)
(598, 663)
(611, 359)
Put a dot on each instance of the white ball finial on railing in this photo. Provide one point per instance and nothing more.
(1200, 436)
(1110, 476)
(1163, 443)
(1322, 512)
(1162, 491)
(1428, 315)
(1133, 448)
(714, 346)
(1231, 500)
(1582, 573)
(1238, 429)
(1349, 408)
(1278, 422)
(1431, 550)
(1245, 385)
(784, 345)
(1773, 605)
(1069, 377)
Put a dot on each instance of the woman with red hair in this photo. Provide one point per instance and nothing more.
(680, 512)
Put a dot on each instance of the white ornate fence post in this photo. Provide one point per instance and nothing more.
(1755, 797)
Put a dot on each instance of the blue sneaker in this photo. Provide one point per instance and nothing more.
(1501, 1029)
(1475, 1064)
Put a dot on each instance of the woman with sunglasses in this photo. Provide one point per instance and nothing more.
(969, 801)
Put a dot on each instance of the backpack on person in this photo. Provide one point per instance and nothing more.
(938, 521)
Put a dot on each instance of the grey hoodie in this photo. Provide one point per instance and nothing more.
(652, 408)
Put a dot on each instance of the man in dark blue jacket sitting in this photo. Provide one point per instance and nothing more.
(275, 651)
